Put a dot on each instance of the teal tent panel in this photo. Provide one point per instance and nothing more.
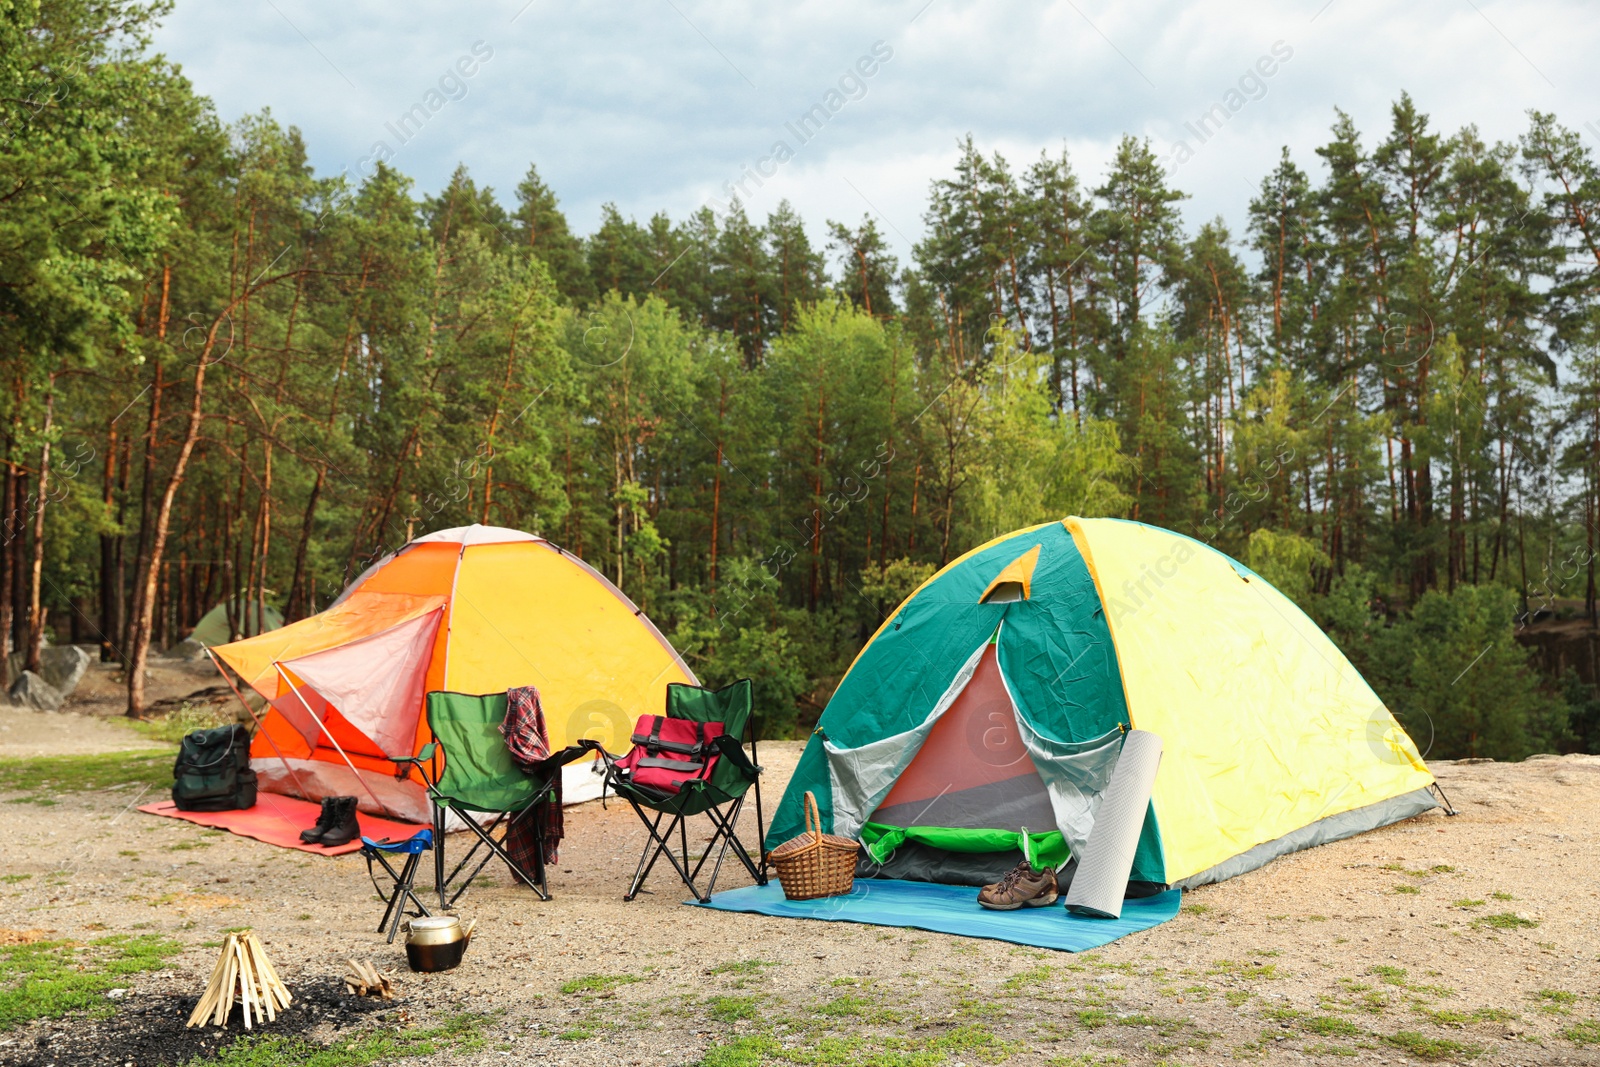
(1058, 657)
(901, 674)
(950, 909)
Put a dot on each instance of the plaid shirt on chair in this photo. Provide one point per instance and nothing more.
(529, 742)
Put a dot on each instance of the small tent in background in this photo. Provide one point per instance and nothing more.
(478, 609)
(995, 699)
(212, 629)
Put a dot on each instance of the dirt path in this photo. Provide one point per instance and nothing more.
(1471, 938)
(26, 733)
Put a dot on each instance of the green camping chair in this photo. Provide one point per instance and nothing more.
(720, 796)
(480, 778)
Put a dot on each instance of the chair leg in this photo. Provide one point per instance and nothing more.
(660, 844)
(486, 839)
(725, 824)
(402, 893)
(392, 903)
(541, 877)
(438, 854)
(641, 872)
(724, 829)
(483, 836)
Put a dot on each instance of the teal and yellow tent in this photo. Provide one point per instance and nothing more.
(981, 721)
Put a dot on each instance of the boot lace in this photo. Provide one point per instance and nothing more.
(1015, 875)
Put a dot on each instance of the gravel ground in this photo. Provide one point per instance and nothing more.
(1454, 939)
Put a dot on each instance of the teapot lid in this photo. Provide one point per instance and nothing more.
(438, 922)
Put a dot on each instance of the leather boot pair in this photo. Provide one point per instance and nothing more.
(336, 825)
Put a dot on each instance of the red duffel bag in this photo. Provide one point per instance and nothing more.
(667, 752)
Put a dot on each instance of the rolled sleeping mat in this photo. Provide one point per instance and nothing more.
(1102, 876)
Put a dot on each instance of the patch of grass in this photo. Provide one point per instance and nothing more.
(459, 1033)
(1406, 889)
(13, 879)
(46, 776)
(1093, 1018)
(1197, 910)
(731, 1009)
(1438, 868)
(1505, 920)
(1556, 1001)
(741, 967)
(1467, 1018)
(845, 1005)
(750, 1051)
(1502, 895)
(172, 726)
(1586, 1032)
(1248, 971)
(1328, 1026)
(187, 845)
(1025, 980)
(1391, 975)
(1322, 1048)
(50, 979)
(978, 1042)
(577, 1033)
(597, 983)
(1431, 1048)
(1466, 903)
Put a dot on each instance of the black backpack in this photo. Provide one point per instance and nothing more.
(213, 770)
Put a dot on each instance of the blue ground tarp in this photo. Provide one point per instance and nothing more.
(953, 909)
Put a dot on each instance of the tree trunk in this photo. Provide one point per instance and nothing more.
(36, 611)
(139, 653)
(716, 491)
(108, 550)
(8, 574)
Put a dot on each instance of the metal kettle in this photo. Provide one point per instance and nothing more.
(437, 943)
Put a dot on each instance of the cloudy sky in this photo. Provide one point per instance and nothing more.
(657, 105)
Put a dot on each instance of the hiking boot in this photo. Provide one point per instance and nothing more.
(324, 823)
(345, 828)
(1024, 887)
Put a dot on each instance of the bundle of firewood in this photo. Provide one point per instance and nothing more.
(243, 972)
(363, 980)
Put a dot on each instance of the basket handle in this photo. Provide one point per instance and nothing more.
(813, 818)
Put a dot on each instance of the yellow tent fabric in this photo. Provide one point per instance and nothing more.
(517, 611)
(1018, 572)
(1267, 727)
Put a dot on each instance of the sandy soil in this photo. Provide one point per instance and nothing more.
(1323, 956)
(90, 723)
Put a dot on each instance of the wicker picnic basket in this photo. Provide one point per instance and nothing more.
(815, 864)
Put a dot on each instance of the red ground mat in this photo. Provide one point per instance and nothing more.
(278, 820)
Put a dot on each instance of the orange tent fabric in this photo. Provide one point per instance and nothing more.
(508, 609)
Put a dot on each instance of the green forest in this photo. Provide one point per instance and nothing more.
(229, 379)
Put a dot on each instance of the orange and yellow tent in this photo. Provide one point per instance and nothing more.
(477, 609)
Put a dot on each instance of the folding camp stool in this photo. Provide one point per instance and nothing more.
(412, 848)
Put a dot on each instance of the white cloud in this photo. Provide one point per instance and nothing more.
(654, 106)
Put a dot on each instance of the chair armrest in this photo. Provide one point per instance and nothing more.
(424, 756)
(561, 757)
(733, 752)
